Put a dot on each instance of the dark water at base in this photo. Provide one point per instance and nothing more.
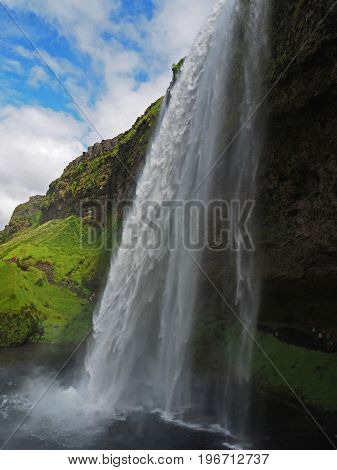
(51, 425)
(137, 432)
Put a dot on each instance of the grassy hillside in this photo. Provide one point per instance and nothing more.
(27, 215)
(48, 276)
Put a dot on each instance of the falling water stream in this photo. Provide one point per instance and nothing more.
(142, 355)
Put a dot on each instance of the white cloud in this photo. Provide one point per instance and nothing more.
(35, 146)
(175, 26)
(37, 76)
(10, 65)
(24, 52)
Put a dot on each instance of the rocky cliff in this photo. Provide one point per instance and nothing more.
(296, 205)
(298, 191)
(298, 202)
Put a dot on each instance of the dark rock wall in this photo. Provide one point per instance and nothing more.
(298, 185)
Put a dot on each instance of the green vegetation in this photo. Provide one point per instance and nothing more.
(19, 318)
(87, 178)
(47, 277)
(176, 68)
(91, 177)
(142, 122)
(25, 216)
(311, 374)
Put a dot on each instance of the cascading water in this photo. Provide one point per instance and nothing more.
(144, 332)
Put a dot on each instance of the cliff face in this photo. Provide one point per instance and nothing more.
(296, 206)
(108, 171)
(298, 190)
(297, 202)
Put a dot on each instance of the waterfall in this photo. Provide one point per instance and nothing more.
(144, 331)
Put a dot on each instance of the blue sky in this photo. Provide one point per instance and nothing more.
(20, 59)
(112, 57)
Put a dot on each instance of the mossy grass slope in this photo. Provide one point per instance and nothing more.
(47, 276)
(311, 374)
(282, 369)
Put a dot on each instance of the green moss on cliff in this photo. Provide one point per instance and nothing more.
(90, 177)
(46, 291)
(176, 68)
(145, 121)
(311, 374)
